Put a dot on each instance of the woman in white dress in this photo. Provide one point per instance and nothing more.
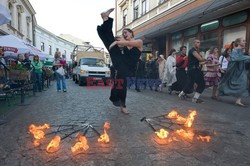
(170, 70)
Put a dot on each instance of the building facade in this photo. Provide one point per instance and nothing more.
(166, 24)
(50, 43)
(23, 20)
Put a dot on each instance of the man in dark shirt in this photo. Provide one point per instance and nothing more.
(139, 74)
(27, 61)
(195, 74)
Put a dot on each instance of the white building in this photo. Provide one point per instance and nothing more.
(50, 43)
(22, 22)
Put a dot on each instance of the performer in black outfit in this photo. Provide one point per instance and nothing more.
(195, 75)
(124, 61)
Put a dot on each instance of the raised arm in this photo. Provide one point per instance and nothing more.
(133, 43)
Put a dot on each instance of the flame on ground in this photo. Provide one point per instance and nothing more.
(190, 119)
(104, 137)
(186, 121)
(81, 145)
(162, 133)
(37, 130)
(188, 135)
(204, 138)
(174, 115)
(36, 143)
(54, 144)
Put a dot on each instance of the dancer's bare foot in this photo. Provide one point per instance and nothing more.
(106, 14)
(124, 110)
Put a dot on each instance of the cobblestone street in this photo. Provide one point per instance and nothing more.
(132, 142)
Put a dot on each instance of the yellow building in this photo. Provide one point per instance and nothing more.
(166, 24)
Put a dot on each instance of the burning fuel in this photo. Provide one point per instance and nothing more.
(104, 138)
(184, 133)
(82, 145)
(54, 144)
(162, 134)
(37, 131)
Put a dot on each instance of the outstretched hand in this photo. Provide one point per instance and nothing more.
(112, 45)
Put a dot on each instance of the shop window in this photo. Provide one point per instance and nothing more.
(191, 31)
(210, 26)
(235, 19)
(177, 36)
(208, 40)
(231, 34)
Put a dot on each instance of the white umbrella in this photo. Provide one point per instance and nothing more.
(42, 55)
(4, 15)
(13, 45)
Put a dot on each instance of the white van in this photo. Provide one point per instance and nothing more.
(90, 67)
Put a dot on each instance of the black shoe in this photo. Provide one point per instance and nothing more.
(138, 90)
(194, 100)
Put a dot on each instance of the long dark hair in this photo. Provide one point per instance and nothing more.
(171, 51)
(225, 53)
(211, 50)
(129, 30)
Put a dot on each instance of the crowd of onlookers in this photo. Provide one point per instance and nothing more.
(38, 70)
(189, 71)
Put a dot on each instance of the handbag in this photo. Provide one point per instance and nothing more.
(61, 71)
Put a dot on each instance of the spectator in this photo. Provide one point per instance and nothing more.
(59, 72)
(212, 75)
(38, 73)
(152, 71)
(139, 74)
(224, 60)
(170, 70)
(161, 63)
(27, 61)
(2, 61)
(19, 59)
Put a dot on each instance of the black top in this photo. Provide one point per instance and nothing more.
(193, 62)
(131, 57)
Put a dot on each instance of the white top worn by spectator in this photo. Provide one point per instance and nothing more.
(170, 71)
(223, 62)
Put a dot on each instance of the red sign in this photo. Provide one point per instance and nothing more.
(11, 49)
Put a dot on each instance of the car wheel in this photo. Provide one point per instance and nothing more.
(80, 82)
(76, 81)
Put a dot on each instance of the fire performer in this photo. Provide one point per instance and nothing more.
(234, 82)
(194, 73)
(124, 60)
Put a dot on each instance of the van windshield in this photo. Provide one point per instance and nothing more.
(92, 62)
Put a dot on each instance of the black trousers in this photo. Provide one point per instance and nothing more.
(195, 76)
(181, 77)
(119, 90)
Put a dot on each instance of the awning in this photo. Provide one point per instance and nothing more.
(211, 10)
(13, 46)
(4, 15)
